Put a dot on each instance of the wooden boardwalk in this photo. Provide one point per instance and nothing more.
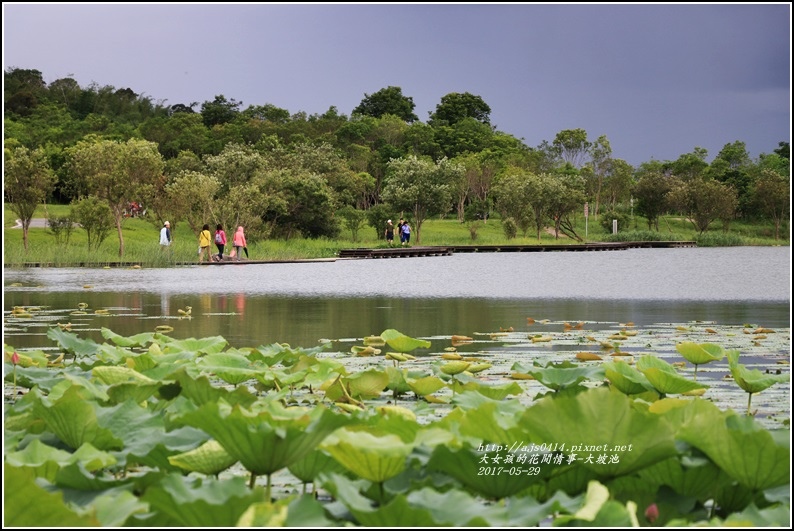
(405, 252)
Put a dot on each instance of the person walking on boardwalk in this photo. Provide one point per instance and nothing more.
(204, 243)
(400, 230)
(220, 241)
(389, 233)
(239, 243)
(406, 233)
(165, 236)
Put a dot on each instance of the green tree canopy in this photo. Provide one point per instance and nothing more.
(389, 100)
(456, 106)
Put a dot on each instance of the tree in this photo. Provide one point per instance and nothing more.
(192, 194)
(353, 219)
(518, 198)
(601, 154)
(219, 111)
(772, 197)
(572, 145)
(95, 216)
(455, 106)
(783, 150)
(652, 192)
(116, 172)
(28, 181)
(704, 201)
(690, 165)
(389, 100)
(420, 187)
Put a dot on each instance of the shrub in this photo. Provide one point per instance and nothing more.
(510, 228)
(61, 227)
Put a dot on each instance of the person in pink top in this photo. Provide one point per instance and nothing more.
(220, 240)
(239, 242)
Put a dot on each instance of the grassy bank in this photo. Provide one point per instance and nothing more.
(141, 240)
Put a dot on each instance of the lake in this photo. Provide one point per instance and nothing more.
(465, 294)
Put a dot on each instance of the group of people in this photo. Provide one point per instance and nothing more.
(205, 239)
(403, 229)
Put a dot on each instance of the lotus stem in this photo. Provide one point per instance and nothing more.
(267, 490)
(749, 399)
(252, 481)
(696, 372)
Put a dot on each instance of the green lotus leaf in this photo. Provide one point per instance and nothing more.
(367, 384)
(111, 375)
(210, 458)
(394, 514)
(397, 380)
(492, 421)
(700, 353)
(664, 377)
(75, 421)
(232, 368)
(312, 465)
(199, 502)
(207, 345)
(26, 504)
(626, 378)
(757, 458)
(402, 343)
(426, 385)
(138, 340)
(752, 381)
(465, 464)
(371, 457)
(500, 392)
(561, 376)
(200, 391)
(597, 417)
(454, 367)
(115, 508)
(695, 478)
(70, 343)
(265, 442)
(47, 461)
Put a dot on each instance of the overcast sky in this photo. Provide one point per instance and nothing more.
(657, 80)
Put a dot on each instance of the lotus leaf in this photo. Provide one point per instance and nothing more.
(597, 417)
(210, 458)
(26, 504)
(312, 465)
(265, 442)
(561, 376)
(75, 421)
(402, 343)
(371, 457)
(626, 378)
(426, 385)
(454, 367)
(138, 340)
(757, 458)
(232, 368)
(111, 375)
(664, 377)
(700, 353)
(199, 502)
(752, 381)
(466, 465)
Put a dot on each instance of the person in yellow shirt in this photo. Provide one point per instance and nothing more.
(205, 239)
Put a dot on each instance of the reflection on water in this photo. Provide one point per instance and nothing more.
(464, 294)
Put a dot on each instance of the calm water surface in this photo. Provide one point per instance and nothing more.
(299, 303)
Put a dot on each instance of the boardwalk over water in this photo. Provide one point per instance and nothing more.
(405, 252)
(410, 252)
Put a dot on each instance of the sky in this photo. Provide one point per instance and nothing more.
(658, 80)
